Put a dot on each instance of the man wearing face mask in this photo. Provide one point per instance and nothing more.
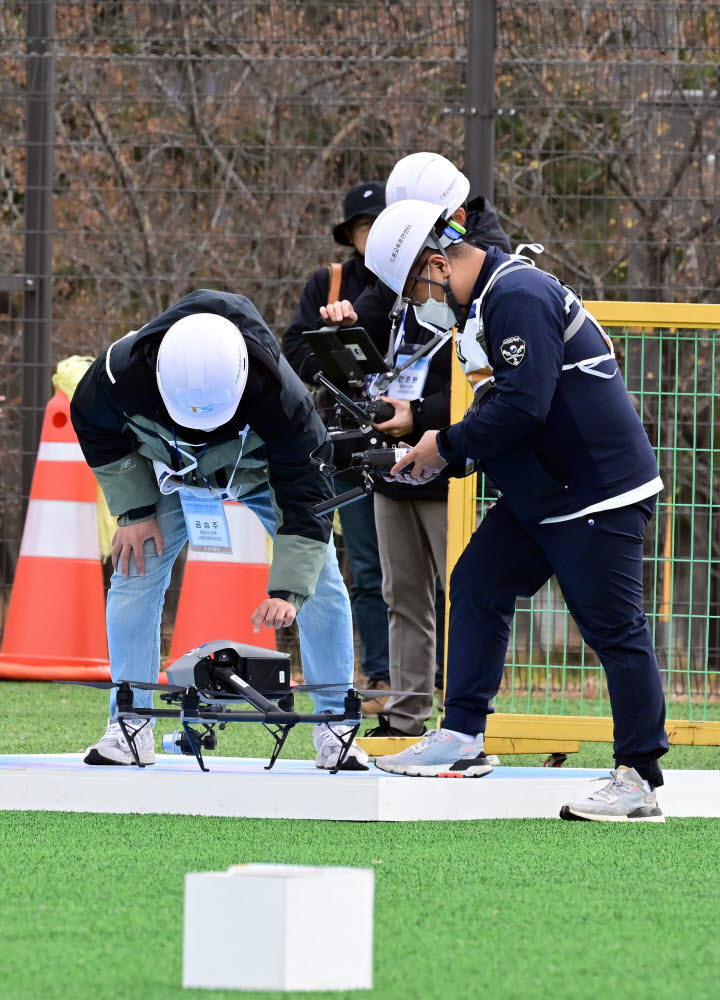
(553, 425)
(412, 521)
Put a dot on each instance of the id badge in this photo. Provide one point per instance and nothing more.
(410, 383)
(206, 523)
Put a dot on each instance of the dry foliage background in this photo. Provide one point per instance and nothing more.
(210, 144)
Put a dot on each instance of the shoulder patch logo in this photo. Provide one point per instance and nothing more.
(513, 350)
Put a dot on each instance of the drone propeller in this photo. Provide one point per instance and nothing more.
(333, 689)
(88, 684)
(107, 685)
(324, 685)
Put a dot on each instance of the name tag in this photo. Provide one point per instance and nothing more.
(410, 383)
(206, 523)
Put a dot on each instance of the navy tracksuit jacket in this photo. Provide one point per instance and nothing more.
(554, 427)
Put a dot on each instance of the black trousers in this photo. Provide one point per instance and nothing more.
(597, 560)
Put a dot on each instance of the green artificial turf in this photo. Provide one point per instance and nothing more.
(515, 910)
(92, 904)
(65, 718)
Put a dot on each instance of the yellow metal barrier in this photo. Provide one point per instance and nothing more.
(508, 734)
(669, 315)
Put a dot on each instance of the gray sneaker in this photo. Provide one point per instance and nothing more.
(622, 800)
(441, 754)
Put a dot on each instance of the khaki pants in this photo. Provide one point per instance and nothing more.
(412, 540)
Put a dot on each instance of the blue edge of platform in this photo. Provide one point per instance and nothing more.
(229, 765)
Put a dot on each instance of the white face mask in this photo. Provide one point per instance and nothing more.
(435, 316)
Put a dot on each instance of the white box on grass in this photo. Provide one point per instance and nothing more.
(279, 927)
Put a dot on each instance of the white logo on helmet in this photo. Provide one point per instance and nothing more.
(448, 189)
(401, 239)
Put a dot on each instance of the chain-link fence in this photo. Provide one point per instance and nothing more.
(210, 144)
(608, 135)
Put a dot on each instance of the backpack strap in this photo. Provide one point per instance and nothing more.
(335, 281)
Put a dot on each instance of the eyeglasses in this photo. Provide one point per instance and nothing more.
(408, 299)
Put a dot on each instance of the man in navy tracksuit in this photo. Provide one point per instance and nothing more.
(552, 424)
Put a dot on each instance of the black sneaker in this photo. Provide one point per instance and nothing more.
(384, 730)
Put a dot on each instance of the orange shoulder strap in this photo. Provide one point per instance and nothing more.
(335, 280)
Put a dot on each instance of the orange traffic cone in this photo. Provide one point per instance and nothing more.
(55, 624)
(221, 590)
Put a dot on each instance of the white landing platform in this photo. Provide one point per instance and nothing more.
(296, 789)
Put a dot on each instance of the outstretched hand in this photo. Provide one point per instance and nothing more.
(274, 612)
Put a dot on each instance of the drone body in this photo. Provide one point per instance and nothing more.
(206, 683)
(264, 670)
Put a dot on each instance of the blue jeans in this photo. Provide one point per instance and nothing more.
(371, 613)
(134, 610)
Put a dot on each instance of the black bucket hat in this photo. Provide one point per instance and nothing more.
(363, 199)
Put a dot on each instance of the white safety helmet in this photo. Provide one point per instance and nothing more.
(428, 177)
(202, 369)
(400, 234)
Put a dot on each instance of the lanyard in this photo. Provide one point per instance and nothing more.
(204, 515)
(196, 459)
(400, 338)
(400, 341)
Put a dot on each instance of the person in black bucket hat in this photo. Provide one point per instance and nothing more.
(362, 200)
(362, 204)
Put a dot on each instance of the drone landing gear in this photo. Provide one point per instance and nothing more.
(345, 740)
(353, 709)
(279, 733)
(130, 737)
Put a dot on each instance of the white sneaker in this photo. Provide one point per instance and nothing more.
(112, 748)
(328, 748)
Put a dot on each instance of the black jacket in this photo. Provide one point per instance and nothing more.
(123, 427)
(483, 226)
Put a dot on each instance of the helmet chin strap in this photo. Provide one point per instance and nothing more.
(457, 308)
(452, 301)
